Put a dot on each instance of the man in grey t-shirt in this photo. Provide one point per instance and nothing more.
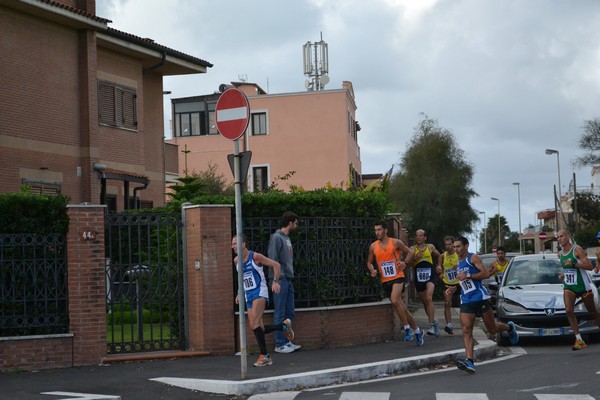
(280, 250)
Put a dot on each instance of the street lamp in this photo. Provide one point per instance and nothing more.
(484, 231)
(519, 199)
(499, 236)
(549, 152)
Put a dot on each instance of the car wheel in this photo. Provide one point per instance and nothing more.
(502, 340)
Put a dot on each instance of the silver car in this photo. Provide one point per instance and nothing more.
(531, 295)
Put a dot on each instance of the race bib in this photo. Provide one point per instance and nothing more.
(388, 269)
(451, 274)
(570, 277)
(249, 282)
(500, 275)
(467, 285)
(423, 274)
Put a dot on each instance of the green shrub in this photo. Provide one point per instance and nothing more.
(33, 214)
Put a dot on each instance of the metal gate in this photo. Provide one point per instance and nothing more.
(144, 281)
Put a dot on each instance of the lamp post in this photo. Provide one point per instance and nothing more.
(499, 236)
(519, 199)
(484, 231)
(549, 152)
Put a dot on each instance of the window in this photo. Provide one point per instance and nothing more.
(260, 179)
(117, 105)
(259, 123)
(195, 118)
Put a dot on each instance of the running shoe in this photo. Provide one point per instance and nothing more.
(419, 336)
(294, 346)
(287, 329)
(263, 361)
(579, 345)
(286, 348)
(436, 328)
(449, 330)
(408, 335)
(466, 365)
(513, 335)
(431, 330)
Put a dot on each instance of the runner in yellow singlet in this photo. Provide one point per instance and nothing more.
(446, 269)
(498, 267)
(424, 277)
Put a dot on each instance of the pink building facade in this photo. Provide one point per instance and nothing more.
(311, 137)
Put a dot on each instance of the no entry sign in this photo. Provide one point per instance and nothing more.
(233, 113)
(542, 236)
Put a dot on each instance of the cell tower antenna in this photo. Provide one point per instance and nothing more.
(316, 64)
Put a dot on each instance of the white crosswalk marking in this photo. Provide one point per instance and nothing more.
(563, 397)
(275, 396)
(363, 396)
(438, 396)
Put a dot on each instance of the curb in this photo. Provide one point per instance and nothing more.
(485, 349)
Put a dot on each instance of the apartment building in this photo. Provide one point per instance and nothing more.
(301, 139)
(81, 105)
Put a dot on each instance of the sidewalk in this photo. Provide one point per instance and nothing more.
(310, 368)
(301, 369)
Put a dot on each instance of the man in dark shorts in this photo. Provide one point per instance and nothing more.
(576, 283)
(423, 263)
(475, 302)
(386, 253)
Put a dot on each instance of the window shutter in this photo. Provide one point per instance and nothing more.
(129, 120)
(117, 105)
(106, 104)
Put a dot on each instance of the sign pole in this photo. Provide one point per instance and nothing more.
(232, 118)
(240, 263)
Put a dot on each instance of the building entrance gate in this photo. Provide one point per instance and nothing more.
(144, 283)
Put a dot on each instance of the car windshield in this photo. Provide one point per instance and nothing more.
(530, 272)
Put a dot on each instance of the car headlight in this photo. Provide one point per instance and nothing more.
(513, 307)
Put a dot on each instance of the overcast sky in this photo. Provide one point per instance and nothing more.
(509, 78)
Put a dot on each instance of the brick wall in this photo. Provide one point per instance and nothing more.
(213, 325)
(210, 300)
(87, 283)
(335, 326)
(52, 351)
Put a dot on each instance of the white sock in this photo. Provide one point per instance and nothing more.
(407, 326)
(449, 325)
(578, 336)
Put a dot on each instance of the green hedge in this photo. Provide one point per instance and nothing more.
(33, 214)
(316, 203)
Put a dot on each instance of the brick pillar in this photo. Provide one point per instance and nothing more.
(87, 283)
(211, 322)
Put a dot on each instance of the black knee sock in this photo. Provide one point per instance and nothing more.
(260, 338)
(271, 328)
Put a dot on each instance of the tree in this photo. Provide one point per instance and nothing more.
(491, 234)
(432, 188)
(213, 182)
(588, 209)
(189, 189)
(590, 141)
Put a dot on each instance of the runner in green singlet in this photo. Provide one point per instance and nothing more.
(576, 283)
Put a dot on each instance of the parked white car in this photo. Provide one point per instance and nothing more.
(531, 295)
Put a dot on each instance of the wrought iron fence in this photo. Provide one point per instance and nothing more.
(144, 272)
(33, 284)
(330, 257)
